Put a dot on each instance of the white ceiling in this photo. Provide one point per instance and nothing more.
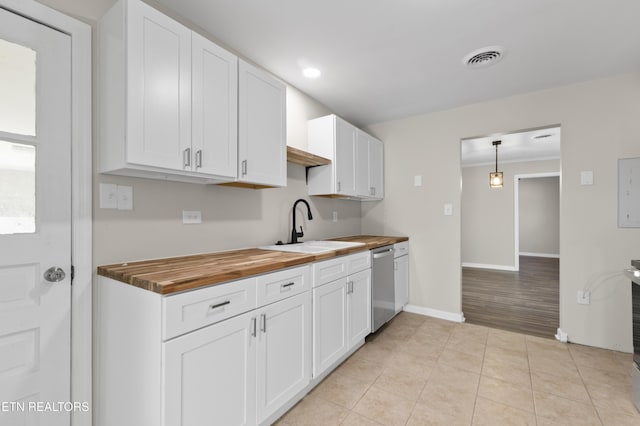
(384, 59)
(530, 145)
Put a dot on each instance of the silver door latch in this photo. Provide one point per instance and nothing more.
(54, 274)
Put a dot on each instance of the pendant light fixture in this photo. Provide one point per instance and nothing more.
(495, 178)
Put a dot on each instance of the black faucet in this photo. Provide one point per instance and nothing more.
(295, 234)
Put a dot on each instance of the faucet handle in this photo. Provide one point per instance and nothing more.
(301, 233)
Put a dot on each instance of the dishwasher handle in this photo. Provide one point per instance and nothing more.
(384, 253)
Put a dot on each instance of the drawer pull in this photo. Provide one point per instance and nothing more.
(286, 287)
(219, 305)
(263, 323)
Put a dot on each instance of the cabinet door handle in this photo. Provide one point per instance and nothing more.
(219, 305)
(198, 159)
(263, 323)
(254, 328)
(244, 167)
(186, 157)
(349, 287)
(395, 265)
(338, 186)
(286, 287)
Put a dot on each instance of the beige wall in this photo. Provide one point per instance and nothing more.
(539, 215)
(487, 214)
(600, 124)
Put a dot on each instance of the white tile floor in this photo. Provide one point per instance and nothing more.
(424, 371)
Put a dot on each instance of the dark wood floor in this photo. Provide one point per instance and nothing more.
(526, 301)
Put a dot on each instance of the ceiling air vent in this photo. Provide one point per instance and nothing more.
(484, 57)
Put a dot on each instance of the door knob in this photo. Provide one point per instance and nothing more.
(54, 274)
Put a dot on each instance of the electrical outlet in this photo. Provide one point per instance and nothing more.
(584, 297)
(125, 197)
(448, 209)
(108, 196)
(335, 216)
(191, 217)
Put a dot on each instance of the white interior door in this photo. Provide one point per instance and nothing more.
(35, 222)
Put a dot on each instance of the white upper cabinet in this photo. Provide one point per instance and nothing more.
(158, 76)
(215, 104)
(376, 168)
(333, 138)
(356, 160)
(169, 105)
(369, 167)
(167, 99)
(262, 127)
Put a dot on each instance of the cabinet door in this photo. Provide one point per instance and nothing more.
(215, 103)
(359, 306)
(209, 375)
(401, 278)
(376, 168)
(329, 324)
(158, 89)
(262, 139)
(283, 352)
(363, 187)
(345, 140)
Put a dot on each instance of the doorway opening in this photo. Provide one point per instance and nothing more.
(510, 235)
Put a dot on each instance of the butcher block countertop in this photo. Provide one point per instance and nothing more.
(175, 274)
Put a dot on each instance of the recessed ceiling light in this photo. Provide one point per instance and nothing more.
(311, 72)
(484, 57)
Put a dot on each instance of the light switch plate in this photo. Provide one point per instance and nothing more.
(190, 217)
(586, 178)
(125, 197)
(448, 209)
(335, 216)
(108, 196)
(417, 180)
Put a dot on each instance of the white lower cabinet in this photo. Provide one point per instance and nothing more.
(242, 370)
(359, 306)
(210, 375)
(341, 318)
(401, 278)
(401, 275)
(329, 324)
(238, 353)
(283, 353)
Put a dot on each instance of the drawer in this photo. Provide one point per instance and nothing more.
(329, 270)
(194, 309)
(358, 262)
(282, 284)
(401, 249)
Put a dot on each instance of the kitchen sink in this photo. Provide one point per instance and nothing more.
(312, 247)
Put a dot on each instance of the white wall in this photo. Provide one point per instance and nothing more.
(539, 216)
(487, 214)
(600, 124)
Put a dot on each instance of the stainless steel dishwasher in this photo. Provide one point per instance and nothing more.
(382, 287)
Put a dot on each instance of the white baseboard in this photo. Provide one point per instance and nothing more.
(449, 316)
(486, 266)
(550, 255)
